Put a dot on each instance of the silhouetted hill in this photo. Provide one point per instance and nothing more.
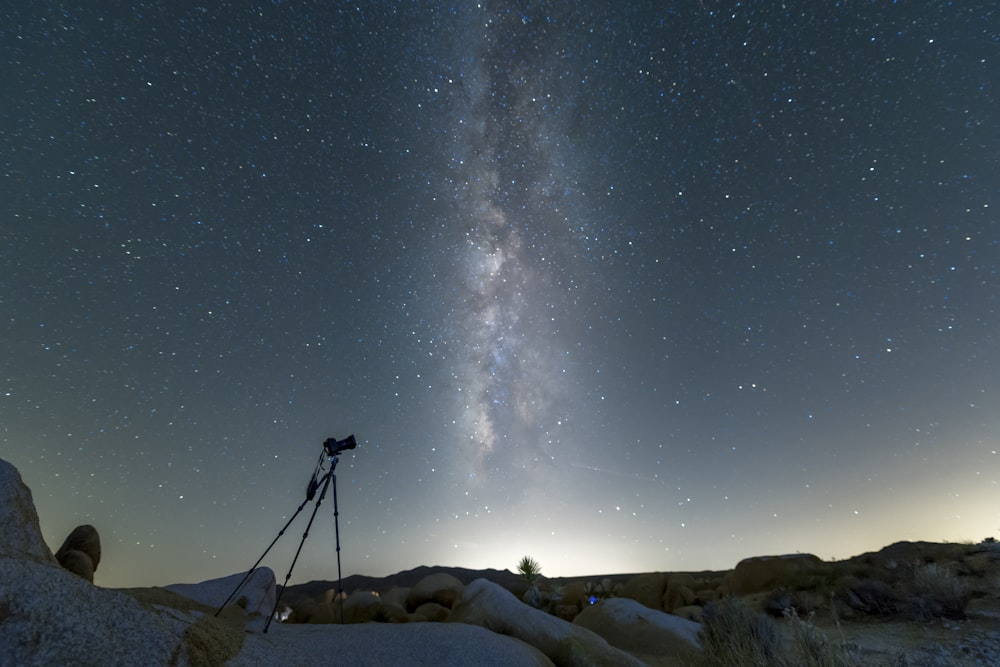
(407, 578)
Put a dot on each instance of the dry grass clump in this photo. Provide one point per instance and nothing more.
(778, 602)
(869, 596)
(926, 591)
(812, 648)
(938, 593)
(735, 635)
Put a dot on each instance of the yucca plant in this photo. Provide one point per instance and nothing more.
(530, 570)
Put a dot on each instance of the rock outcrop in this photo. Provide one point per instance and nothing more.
(385, 644)
(359, 607)
(567, 645)
(646, 589)
(440, 587)
(53, 617)
(762, 573)
(80, 552)
(634, 627)
(20, 536)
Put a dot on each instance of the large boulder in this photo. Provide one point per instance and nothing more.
(431, 612)
(641, 631)
(20, 536)
(314, 612)
(394, 604)
(53, 617)
(764, 573)
(50, 616)
(678, 592)
(575, 593)
(255, 598)
(80, 552)
(646, 589)
(381, 644)
(495, 608)
(440, 587)
(360, 607)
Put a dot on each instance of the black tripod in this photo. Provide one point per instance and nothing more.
(331, 448)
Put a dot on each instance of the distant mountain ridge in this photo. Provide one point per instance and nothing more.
(405, 579)
(903, 551)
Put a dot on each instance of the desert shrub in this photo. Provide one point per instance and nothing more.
(780, 601)
(811, 648)
(733, 634)
(938, 593)
(869, 596)
(821, 578)
(736, 636)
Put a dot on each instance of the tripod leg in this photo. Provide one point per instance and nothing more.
(254, 568)
(319, 501)
(336, 530)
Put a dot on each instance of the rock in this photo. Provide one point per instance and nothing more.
(575, 593)
(677, 595)
(255, 598)
(641, 631)
(566, 612)
(441, 587)
(646, 589)
(80, 552)
(359, 607)
(321, 613)
(394, 604)
(432, 612)
(381, 644)
(703, 596)
(56, 618)
(78, 563)
(488, 605)
(690, 612)
(762, 573)
(20, 536)
(397, 596)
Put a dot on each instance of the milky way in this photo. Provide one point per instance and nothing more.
(506, 176)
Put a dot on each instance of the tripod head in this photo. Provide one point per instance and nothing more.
(331, 447)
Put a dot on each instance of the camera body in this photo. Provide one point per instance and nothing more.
(334, 446)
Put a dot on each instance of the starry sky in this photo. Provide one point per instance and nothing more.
(621, 286)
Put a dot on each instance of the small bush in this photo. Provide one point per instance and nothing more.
(780, 601)
(733, 634)
(869, 596)
(938, 593)
(811, 648)
(736, 636)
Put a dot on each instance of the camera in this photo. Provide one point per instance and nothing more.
(334, 446)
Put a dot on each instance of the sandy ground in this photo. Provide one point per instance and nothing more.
(937, 643)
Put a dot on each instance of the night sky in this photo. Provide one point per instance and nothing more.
(620, 286)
